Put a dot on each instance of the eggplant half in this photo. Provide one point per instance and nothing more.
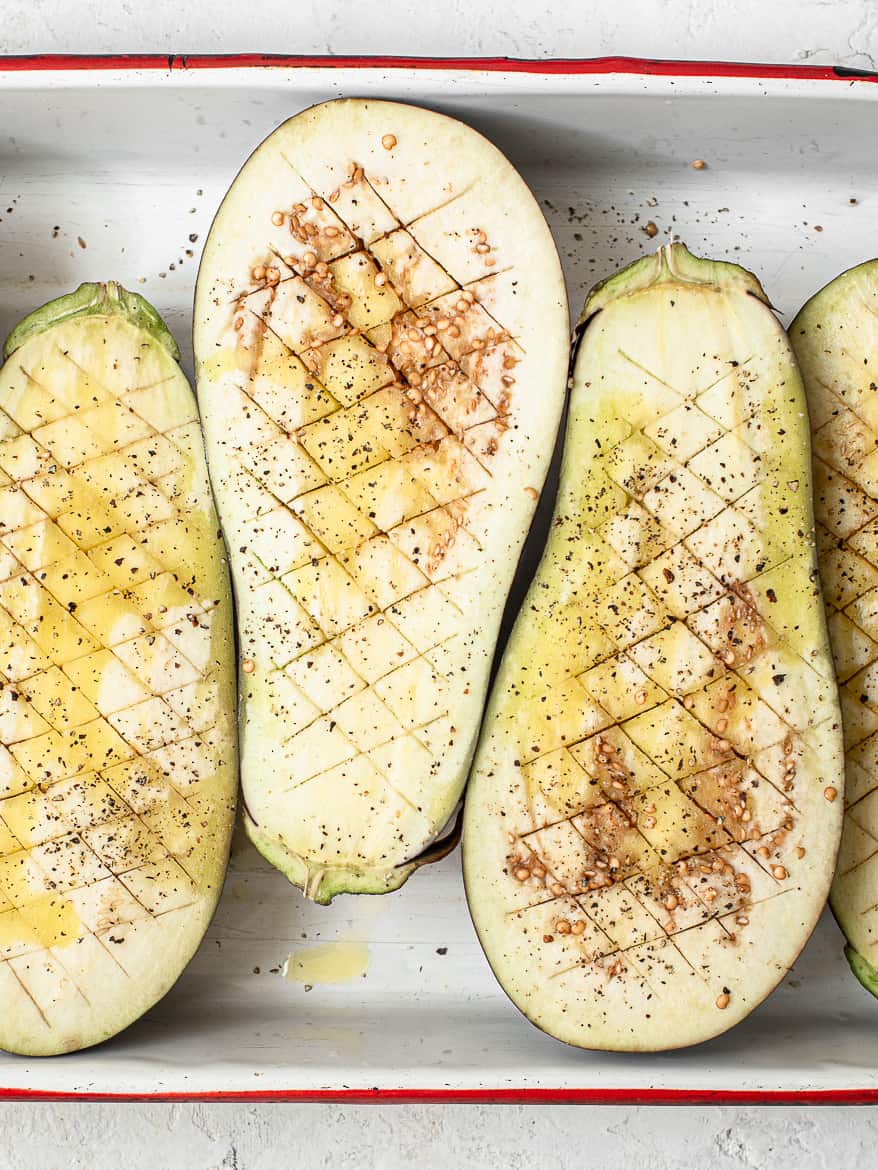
(835, 337)
(381, 342)
(117, 763)
(650, 829)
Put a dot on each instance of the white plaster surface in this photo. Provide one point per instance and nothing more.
(432, 1137)
(259, 1137)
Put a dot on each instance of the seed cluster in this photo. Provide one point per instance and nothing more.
(481, 247)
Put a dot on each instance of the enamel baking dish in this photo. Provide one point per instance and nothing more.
(113, 168)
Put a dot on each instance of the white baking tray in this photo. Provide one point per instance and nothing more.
(113, 169)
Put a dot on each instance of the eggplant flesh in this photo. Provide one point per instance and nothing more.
(835, 336)
(381, 342)
(647, 842)
(117, 765)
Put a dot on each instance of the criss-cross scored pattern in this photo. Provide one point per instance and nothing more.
(661, 745)
(373, 392)
(845, 491)
(110, 714)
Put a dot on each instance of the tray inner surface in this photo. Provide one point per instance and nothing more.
(121, 180)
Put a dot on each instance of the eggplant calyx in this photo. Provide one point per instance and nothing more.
(321, 884)
(93, 300)
(671, 264)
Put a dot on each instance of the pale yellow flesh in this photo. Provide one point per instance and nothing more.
(835, 337)
(117, 765)
(647, 844)
(379, 404)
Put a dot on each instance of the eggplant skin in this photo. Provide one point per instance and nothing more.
(648, 839)
(118, 759)
(381, 343)
(835, 336)
(862, 970)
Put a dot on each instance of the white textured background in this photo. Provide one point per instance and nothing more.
(271, 1137)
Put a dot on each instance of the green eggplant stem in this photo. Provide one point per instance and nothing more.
(93, 300)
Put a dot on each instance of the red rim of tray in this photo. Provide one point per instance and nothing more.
(488, 1096)
(550, 67)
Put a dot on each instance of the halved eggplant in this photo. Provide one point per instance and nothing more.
(117, 765)
(647, 841)
(381, 342)
(835, 336)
